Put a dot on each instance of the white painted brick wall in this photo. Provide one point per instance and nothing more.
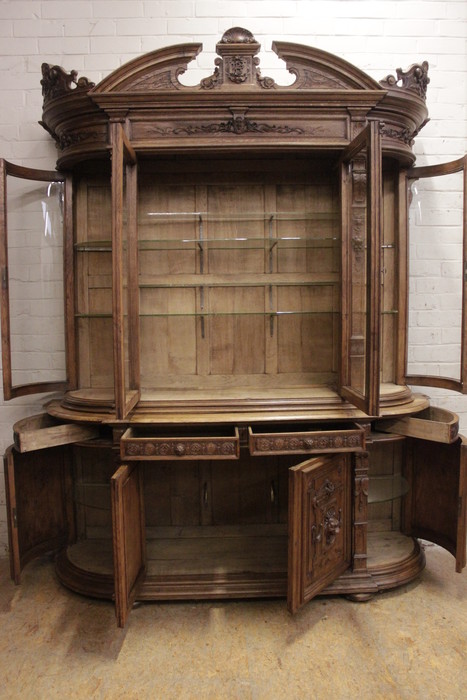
(96, 36)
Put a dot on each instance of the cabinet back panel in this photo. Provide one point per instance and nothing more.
(237, 221)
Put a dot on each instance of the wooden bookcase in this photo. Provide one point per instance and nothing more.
(234, 416)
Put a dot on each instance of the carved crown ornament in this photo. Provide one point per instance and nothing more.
(414, 79)
(56, 82)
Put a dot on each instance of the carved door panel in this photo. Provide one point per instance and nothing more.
(319, 526)
(435, 508)
(129, 543)
(36, 267)
(39, 504)
(361, 278)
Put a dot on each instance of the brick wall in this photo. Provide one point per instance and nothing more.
(96, 36)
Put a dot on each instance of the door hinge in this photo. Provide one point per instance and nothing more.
(15, 519)
(4, 278)
(459, 507)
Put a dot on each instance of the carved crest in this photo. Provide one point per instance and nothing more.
(237, 63)
(56, 82)
(414, 78)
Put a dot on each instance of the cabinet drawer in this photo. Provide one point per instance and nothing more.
(436, 424)
(41, 431)
(320, 439)
(136, 443)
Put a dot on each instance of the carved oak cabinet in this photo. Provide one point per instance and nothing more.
(233, 416)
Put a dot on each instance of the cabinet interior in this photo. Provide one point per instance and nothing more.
(239, 277)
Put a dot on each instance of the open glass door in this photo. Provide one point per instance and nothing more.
(125, 293)
(319, 526)
(436, 348)
(36, 281)
(361, 231)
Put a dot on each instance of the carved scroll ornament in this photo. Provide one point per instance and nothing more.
(56, 82)
(414, 78)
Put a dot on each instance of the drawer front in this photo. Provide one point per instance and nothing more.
(433, 423)
(135, 445)
(347, 439)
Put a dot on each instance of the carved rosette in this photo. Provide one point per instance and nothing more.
(307, 443)
(158, 448)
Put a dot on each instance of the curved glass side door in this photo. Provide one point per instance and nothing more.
(436, 348)
(36, 281)
(361, 265)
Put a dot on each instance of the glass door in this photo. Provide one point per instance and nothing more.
(361, 265)
(36, 254)
(125, 297)
(437, 267)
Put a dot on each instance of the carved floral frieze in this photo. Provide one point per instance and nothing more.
(306, 443)
(177, 448)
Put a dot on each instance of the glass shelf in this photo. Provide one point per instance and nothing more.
(213, 314)
(228, 243)
(169, 217)
(205, 283)
(387, 488)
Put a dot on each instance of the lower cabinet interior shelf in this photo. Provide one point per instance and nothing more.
(226, 562)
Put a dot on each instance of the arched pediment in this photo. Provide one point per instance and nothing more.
(157, 70)
(237, 68)
(320, 70)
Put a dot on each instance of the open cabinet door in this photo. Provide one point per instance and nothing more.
(435, 508)
(39, 504)
(319, 526)
(129, 543)
(436, 249)
(125, 291)
(361, 269)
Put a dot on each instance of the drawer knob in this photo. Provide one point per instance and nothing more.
(179, 449)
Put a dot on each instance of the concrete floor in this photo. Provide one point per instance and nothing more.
(410, 643)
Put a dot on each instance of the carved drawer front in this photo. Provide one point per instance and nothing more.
(137, 443)
(436, 424)
(42, 431)
(317, 439)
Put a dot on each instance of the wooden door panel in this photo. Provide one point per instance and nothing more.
(39, 504)
(361, 264)
(319, 526)
(129, 543)
(435, 510)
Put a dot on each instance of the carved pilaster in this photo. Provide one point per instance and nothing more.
(360, 512)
